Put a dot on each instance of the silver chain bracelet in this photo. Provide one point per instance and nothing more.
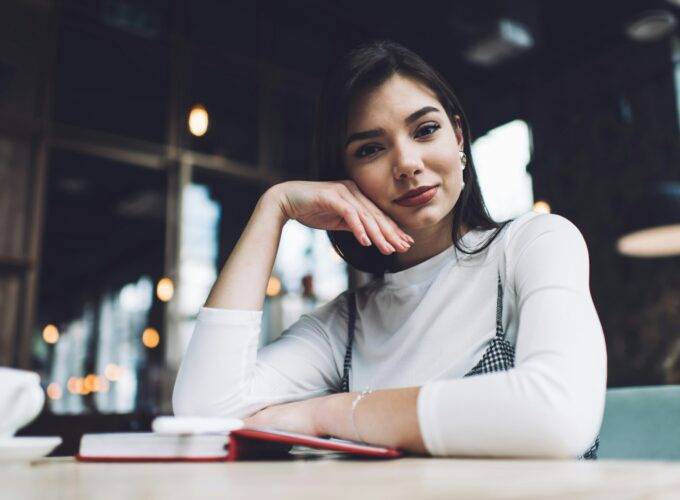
(358, 398)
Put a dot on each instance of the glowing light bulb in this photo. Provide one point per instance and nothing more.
(273, 287)
(198, 120)
(542, 207)
(165, 289)
(150, 338)
(50, 334)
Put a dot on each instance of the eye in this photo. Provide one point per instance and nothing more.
(365, 151)
(428, 129)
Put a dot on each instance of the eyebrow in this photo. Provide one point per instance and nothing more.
(376, 132)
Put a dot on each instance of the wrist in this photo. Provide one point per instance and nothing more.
(272, 201)
(332, 413)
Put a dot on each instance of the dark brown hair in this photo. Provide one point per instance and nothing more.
(362, 70)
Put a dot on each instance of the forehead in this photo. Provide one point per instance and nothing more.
(399, 96)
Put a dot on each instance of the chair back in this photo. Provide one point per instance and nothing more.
(641, 423)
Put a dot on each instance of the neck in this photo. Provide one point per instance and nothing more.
(429, 241)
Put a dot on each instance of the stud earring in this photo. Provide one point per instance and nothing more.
(463, 159)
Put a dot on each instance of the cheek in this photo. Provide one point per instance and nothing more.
(446, 160)
(368, 182)
(375, 186)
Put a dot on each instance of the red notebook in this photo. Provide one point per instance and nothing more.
(258, 443)
(241, 444)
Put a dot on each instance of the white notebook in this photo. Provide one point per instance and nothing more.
(149, 446)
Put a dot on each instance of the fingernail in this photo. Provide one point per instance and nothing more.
(366, 242)
(410, 239)
(390, 247)
(405, 244)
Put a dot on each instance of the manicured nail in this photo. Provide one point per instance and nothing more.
(410, 239)
(390, 247)
(365, 241)
(405, 244)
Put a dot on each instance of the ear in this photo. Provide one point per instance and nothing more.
(458, 130)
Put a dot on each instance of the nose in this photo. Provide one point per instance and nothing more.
(407, 162)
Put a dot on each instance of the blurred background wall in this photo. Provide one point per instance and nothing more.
(118, 206)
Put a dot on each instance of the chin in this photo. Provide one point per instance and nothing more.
(420, 221)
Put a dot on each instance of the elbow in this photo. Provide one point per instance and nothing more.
(188, 405)
(185, 404)
(565, 434)
(188, 402)
(193, 403)
(182, 408)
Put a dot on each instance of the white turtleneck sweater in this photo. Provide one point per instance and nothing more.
(428, 326)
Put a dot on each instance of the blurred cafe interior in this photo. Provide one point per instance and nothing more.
(137, 135)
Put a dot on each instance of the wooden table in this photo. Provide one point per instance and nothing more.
(347, 479)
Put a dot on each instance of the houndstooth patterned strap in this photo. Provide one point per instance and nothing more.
(352, 308)
(500, 354)
(499, 310)
(591, 454)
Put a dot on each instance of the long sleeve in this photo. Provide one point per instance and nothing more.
(223, 373)
(551, 404)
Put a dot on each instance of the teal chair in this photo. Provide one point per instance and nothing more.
(641, 423)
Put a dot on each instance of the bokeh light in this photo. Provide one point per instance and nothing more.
(165, 289)
(50, 334)
(112, 372)
(74, 385)
(273, 286)
(542, 207)
(150, 338)
(198, 120)
(54, 391)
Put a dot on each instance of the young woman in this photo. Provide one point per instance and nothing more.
(479, 339)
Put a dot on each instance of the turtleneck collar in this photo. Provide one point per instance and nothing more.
(428, 269)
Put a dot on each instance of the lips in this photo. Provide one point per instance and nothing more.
(420, 196)
(414, 192)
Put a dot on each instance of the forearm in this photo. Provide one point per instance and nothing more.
(385, 418)
(243, 280)
(214, 371)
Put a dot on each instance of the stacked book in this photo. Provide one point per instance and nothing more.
(211, 440)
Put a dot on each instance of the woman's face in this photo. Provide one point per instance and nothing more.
(399, 138)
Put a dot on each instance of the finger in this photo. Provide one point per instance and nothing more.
(380, 231)
(351, 217)
(376, 234)
(386, 241)
(378, 213)
(388, 228)
(395, 233)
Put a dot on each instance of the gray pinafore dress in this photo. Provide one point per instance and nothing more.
(499, 355)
